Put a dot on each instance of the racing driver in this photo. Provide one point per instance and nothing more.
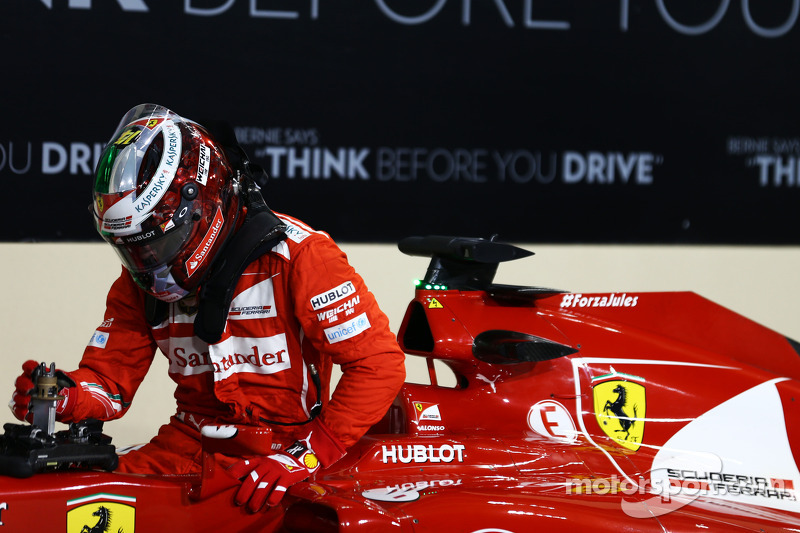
(250, 307)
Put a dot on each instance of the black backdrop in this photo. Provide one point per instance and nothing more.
(634, 121)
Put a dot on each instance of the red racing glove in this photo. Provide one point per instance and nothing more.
(20, 403)
(266, 479)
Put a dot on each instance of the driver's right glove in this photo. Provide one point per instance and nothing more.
(20, 403)
(266, 479)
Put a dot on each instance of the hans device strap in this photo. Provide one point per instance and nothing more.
(259, 233)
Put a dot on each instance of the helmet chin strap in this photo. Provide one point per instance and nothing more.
(258, 234)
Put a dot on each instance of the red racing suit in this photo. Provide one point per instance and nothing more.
(300, 303)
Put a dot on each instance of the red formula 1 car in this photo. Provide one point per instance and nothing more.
(571, 412)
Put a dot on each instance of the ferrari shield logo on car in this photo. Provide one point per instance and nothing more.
(619, 406)
(102, 512)
(427, 412)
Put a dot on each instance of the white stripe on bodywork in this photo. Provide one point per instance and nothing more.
(748, 435)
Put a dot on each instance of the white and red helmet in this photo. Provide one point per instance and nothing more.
(164, 198)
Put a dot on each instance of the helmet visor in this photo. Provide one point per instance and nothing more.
(141, 256)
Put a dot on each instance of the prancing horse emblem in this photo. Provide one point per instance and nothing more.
(102, 513)
(620, 410)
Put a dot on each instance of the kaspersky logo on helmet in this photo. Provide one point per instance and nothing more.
(200, 255)
(126, 214)
(166, 171)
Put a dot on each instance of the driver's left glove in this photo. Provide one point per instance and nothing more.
(266, 479)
